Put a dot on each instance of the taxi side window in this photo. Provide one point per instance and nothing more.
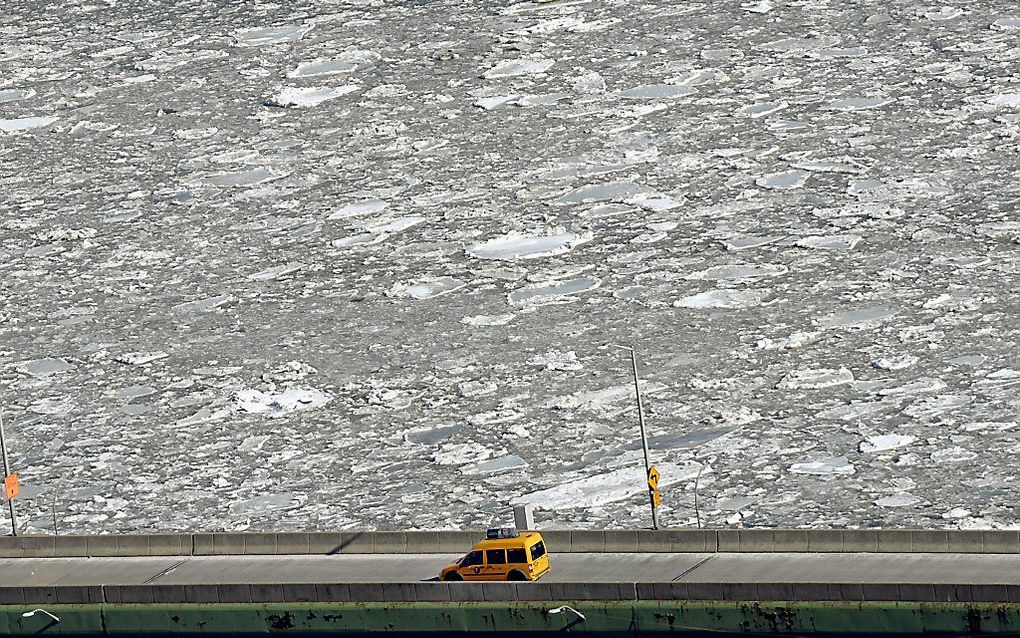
(473, 558)
(516, 555)
(495, 557)
(537, 550)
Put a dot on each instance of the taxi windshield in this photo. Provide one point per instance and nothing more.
(472, 558)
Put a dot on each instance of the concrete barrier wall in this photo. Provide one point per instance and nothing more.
(558, 541)
(506, 592)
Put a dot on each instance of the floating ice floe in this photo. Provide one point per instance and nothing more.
(426, 289)
(517, 246)
(761, 6)
(13, 95)
(739, 271)
(761, 109)
(496, 465)
(954, 454)
(496, 101)
(930, 407)
(783, 180)
(296, 97)
(795, 340)
(487, 320)
(854, 411)
(922, 385)
(725, 299)
(657, 92)
(20, 124)
(895, 362)
(253, 177)
(858, 103)
(609, 192)
(883, 442)
(836, 466)
(204, 305)
(609, 487)
(1006, 24)
(279, 404)
(66, 234)
(354, 209)
(591, 83)
(42, 368)
(140, 358)
(829, 242)
(556, 360)
(736, 244)
(271, 35)
(288, 372)
(902, 499)
(860, 318)
(815, 378)
(601, 400)
(553, 290)
(513, 68)
(346, 63)
(940, 14)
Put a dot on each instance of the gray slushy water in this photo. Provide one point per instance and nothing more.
(304, 265)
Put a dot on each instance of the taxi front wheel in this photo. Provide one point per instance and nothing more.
(516, 575)
(453, 576)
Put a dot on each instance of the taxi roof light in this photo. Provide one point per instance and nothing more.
(501, 532)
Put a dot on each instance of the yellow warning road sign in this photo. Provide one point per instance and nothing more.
(656, 498)
(653, 478)
(11, 487)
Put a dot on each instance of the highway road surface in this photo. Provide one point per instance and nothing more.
(378, 568)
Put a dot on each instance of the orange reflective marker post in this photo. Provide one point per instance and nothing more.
(11, 486)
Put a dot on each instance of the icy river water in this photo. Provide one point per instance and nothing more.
(334, 264)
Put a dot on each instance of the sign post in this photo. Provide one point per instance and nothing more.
(10, 480)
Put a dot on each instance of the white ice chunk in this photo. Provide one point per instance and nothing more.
(591, 83)
(354, 209)
(930, 407)
(609, 487)
(903, 499)
(814, 378)
(553, 290)
(895, 362)
(922, 385)
(19, 124)
(495, 102)
(611, 191)
(556, 360)
(829, 242)
(346, 63)
(204, 305)
(487, 320)
(657, 92)
(1006, 24)
(279, 404)
(761, 6)
(824, 467)
(601, 400)
(761, 109)
(940, 14)
(395, 225)
(795, 340)
(512, 68)
(860, 318)
(858, 103)
(140, 358)
(783, 180)
(730, 299)
(883, 442)
(739, 271)
(271, 35)
(252, 177)
(517, 246)
(309, 95)
(43, 368)
(12, 95)
(497, 465)
(426, 289)
(954, 454)
(749, 241)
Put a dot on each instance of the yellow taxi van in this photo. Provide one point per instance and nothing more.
(505, 554)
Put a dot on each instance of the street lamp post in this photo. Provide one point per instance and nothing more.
(7, 472)
(644, 437)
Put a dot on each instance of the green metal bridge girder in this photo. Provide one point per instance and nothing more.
(601, 618)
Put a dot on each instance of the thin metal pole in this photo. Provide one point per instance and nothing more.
(54, 507)
(644, 437)
(7, 472)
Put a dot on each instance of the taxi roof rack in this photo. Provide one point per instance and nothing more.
(501, 532)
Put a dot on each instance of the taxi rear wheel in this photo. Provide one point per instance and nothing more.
(453, 576)
(516, 575)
